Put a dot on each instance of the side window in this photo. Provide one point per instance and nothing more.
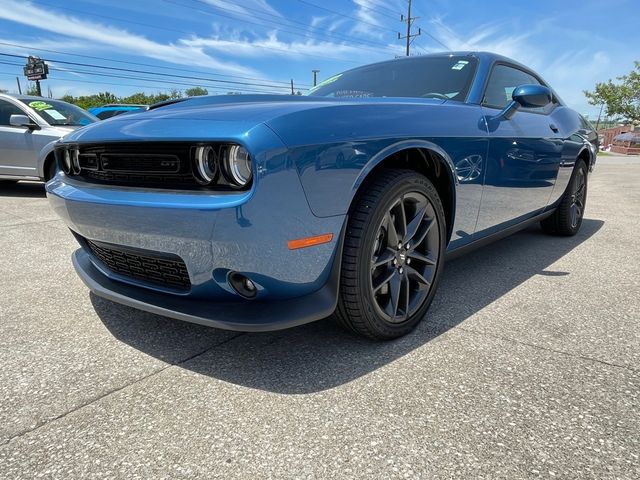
(6, 110)
(502, 82)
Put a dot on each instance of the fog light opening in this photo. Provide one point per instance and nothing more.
(242, 285)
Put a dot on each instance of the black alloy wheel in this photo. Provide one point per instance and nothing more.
(578, 196)
(393, 255)
(567, 218)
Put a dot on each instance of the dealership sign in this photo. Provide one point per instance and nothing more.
(36, 69)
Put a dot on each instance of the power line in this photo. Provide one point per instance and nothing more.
(130, 70)
(129, 77)
(278, 24)
(189, 33)
(346, 16)
(125, 62)
(382, 7)
(304, 24)
(391, 13)
(184, 84)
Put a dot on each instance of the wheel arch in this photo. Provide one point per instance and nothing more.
(45, 157)
(424, 157)
(586, 155)
(48, 161)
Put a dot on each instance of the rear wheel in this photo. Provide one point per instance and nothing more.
(567, 218)
(393, 255)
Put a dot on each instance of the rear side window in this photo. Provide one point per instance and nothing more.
(502, 82)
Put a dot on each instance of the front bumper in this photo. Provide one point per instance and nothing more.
(244, 316)
(213, 234)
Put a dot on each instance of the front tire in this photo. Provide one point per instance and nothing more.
(393, 255)
(567, 218)
(51, 170)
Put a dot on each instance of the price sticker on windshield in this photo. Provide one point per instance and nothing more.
(40, 106)
(460, 65)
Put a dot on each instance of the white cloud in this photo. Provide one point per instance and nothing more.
(252, 7)
(259, 46)
(28, 14)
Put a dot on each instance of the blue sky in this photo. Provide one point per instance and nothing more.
(262, 44)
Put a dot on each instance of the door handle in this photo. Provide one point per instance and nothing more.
(553, 127)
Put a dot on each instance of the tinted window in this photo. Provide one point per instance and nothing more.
(6, 110)
(56, 112)
(419, 77)
(502, 82)
(109, 113)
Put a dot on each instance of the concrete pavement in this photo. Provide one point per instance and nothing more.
(526, 367)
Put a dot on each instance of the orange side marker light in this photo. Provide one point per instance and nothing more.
(309, 241)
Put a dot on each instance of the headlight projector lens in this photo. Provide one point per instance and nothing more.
(206, 164)
(75, 161)
(238, 165)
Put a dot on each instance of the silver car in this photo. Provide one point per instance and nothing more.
(29, 126)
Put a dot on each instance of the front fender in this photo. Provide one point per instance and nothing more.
(398, 147)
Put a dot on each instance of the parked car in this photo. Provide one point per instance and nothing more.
(28, 126)
(263, 212)
(113, 109)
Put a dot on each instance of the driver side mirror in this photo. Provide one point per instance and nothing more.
(23, 121)
(527, 96)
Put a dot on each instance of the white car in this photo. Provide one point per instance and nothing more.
(29, 126)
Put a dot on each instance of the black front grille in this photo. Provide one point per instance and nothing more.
(158, 165)
(155, 268)
(153, 164)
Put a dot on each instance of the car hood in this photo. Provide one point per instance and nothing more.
(60, 131)
(231, 115)
(227, 117)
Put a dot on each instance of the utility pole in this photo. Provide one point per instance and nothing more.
(599, 115)
(19, 86)
(315, 77)
(409, 36)
(292, 92)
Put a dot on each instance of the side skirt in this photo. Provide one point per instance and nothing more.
(481, 242)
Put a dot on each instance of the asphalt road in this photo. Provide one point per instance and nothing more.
(527, 366)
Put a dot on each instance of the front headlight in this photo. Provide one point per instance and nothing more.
(206, 164)
(237, 163)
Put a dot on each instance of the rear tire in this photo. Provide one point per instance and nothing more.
(393, 255)
(567, 218)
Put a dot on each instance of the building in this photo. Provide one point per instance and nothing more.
(606, 135)
(627, 143)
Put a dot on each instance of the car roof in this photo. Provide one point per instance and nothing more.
(26, 97)
(485, 57)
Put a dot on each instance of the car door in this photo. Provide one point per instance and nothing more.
(18, 147)
(524, 153)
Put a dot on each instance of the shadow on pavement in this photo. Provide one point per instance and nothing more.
(319, 356)
(22, 189)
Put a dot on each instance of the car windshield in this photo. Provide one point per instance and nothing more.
(59, 113)
(446, 77)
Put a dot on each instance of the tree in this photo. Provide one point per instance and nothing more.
(2, 90)
(196, 92)
(32, 89)
(104, 98)
(621, 98)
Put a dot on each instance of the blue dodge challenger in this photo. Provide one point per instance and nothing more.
(263, 212)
